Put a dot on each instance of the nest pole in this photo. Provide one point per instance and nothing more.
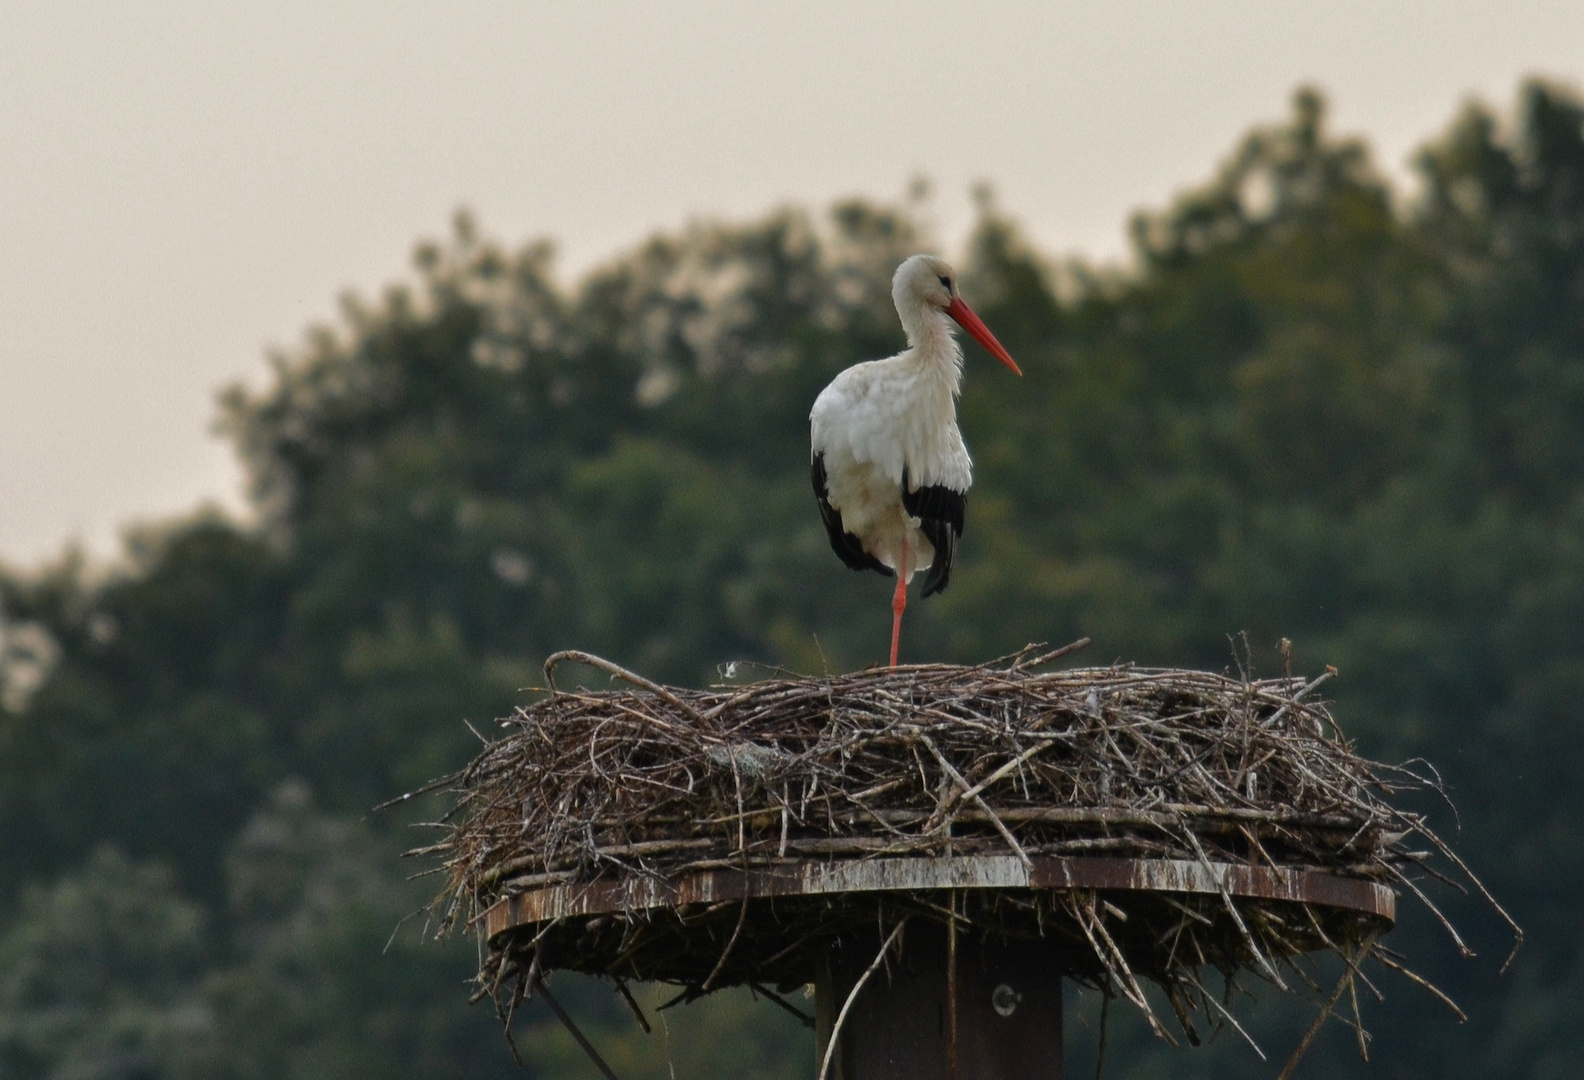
(1008, 1010)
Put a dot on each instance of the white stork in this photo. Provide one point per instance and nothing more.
(890, 469)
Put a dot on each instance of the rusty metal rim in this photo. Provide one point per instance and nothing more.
(1044, 872)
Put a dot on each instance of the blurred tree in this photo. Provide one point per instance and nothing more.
(97, 974)
(154, 727)
(316, 980)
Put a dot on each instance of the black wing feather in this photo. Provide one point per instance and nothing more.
(940, 512)
(845, 544)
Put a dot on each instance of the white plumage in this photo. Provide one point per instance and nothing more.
(889, 466)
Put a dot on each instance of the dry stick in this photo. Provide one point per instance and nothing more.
(1055, 654)
(500, 974)
(432, 785)
(620, 672)
(1182, 1005)
(1270, 721)
(1446, 923)
(1353, 966)
(647, 719)
(1186, 910)
(804, 1018)
(1358, 1020)
(1170, 814)
(789, 949)
(1003, 770)
(1420, 859)
(1127, 972)
(1207, 996)
(1518, 934)
(1237, 917)
(506, 1021)
(644, 847)
(742, 916)
(518, 996)
(1426, 984)
(852, 995)
(643, 1021)
(957, 778)
(742, 909)
(735, 699)
(1325, 1011)
(1115, 964)
(1176, 936)
(880, 789)
(786, 814)
(488, 989)
(1016, 658)
(582, 1040)
(742, 845)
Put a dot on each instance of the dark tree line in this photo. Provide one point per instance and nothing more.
(1313, 409)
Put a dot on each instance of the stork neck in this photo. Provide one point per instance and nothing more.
(934, 347)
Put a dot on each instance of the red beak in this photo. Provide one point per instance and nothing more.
(970, 322)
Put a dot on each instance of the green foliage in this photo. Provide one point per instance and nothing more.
(97, 973)
(315, 980)
(1305, 412)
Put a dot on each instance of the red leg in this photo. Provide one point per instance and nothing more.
(899, 603)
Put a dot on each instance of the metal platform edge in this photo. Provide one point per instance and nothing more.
(1048, 872)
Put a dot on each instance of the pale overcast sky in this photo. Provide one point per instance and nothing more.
(184, 185)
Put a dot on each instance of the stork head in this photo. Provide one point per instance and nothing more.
(927, 283)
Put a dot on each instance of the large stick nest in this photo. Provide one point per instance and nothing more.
(641, 780)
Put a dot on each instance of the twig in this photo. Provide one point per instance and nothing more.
(742, 916)
(566, 1021)
(1225, 1012)
(1237, 917)
(1054, 654)
(804, 1018)
(620, 672)
(643, 1021)
(1115, 962)
(852, 995)
(1424, 983)
(1446, 924)
(1452, 856)
(1325, 1011)
(1272, 720)
(957, 779)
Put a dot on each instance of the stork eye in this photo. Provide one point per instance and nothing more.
(946, 281)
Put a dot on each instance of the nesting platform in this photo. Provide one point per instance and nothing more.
(1125, 826)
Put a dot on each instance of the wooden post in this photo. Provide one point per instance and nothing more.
(1008, 1015)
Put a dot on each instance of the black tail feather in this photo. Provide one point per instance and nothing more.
(940, 511)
